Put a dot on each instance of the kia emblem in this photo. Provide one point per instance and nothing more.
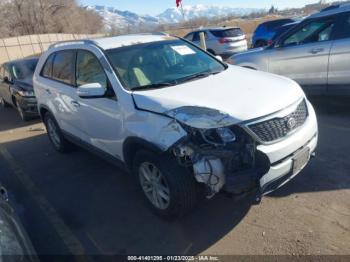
(291, 123)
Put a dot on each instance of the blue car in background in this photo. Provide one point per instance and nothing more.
(266, 31)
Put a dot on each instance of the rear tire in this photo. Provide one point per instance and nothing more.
(55, 134)
(171, 190)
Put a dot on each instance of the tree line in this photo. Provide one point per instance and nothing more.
(25, 17)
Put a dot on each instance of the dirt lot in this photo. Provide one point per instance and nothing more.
(78, 203)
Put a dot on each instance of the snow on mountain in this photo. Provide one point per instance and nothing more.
(115, 17)
(174, 15)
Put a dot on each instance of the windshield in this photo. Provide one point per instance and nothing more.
(23, 71)
(160, 64)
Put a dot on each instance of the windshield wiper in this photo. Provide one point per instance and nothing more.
(197, 76)
(153, 86)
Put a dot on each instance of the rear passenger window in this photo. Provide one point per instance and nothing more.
(47, 69)
(63, 66)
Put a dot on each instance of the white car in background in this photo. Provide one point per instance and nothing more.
(176, 117)
(223, 41)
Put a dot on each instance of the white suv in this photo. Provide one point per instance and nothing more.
(176, 117)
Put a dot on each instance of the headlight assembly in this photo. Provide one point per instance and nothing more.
(221, 135)
(25, 93)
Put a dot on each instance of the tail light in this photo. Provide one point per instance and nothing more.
(224, 40)
(270, 42)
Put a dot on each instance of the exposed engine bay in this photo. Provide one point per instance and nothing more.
(222, 158)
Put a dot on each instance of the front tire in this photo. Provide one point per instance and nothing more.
(55, 134)
(21, 113)
(169, 189)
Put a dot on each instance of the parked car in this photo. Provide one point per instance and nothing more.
(264, 33)
(16, 87)
(175, 116)
(223, 41)
(315, 53)
(15, 244)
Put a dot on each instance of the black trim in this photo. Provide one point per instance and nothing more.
(130, 146)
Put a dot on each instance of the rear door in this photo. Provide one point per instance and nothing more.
(100, 118)
(339, 60)
(61, 91)
(303, 53)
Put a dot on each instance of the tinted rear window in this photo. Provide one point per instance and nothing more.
(227, 33)
(63, 66)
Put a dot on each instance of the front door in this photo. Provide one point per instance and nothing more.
(339, 60)
(100, 118)
(303, 54)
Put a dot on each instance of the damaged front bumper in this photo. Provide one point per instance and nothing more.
(247, 165)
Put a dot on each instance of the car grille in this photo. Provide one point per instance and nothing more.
(277, 128)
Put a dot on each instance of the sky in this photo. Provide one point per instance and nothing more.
(154, 7)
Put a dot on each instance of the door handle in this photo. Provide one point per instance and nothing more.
(316, 50)
(48, 91)
(75, 103)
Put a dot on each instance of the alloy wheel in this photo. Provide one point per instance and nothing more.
(53, 133)
(154, 185)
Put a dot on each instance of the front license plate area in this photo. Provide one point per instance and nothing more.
(300, 160)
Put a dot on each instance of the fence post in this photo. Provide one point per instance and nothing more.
(202, 41)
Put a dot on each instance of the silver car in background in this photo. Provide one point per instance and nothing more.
(315, 53)
(224, 41)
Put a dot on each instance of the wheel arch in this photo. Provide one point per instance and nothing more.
(43, 110)
(132, 144)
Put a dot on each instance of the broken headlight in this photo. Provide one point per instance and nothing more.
(221, 135)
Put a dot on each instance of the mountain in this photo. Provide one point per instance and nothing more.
(115, 18)
(174, 15)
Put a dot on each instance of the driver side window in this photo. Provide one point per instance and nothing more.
(315, 31)
(89, 70)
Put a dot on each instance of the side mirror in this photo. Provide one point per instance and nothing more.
(219, 58)
(93, 90)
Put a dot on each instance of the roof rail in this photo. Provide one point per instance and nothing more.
(70, 42)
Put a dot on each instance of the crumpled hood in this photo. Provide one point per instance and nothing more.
(26, 85)
(235, 95)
